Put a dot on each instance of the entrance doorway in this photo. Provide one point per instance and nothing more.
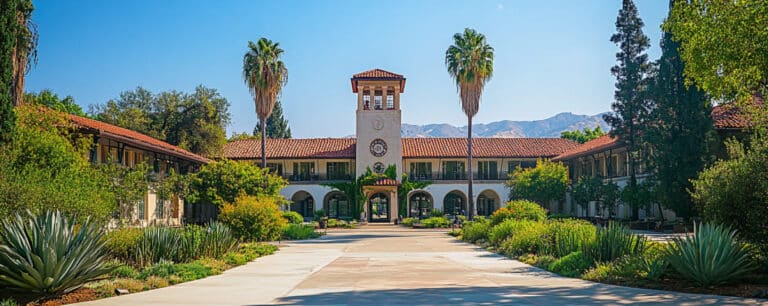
(378, 209)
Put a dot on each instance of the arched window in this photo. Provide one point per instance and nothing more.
(420, 204)
(487, 203)
(454, 203)
(338, 206)
(303, 203)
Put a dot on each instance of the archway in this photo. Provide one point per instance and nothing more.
(420, 204)
(455, 203)
(378, 209)
(303, 203)
(487, 202)
(338, 206)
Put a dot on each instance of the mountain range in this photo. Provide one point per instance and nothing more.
(549, 127)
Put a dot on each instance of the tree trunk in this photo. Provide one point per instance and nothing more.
(470, 197)
(263, 143)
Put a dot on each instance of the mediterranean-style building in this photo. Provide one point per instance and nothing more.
(309, 164)
(113, 144)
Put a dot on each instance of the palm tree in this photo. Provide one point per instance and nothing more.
(470, 63)
(24, 52)
(265, 75)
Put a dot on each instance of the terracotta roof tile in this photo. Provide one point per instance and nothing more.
(292, 148)
(595, 145)
(385, 182)
(134, 138)
(485, 147)
(412, 148)
(731, 116)
(377, 74)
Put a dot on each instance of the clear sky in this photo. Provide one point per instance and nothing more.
(551, 56)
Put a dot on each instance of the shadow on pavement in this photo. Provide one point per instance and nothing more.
(515, 295)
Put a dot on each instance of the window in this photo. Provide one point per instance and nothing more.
(160, 208)
(528, 164)
(598, 167)
(421, 205)
(338, 206)
(453, 204)
(367, 100)
(485, 205)
(421, 171)
(141, 209)
(303, 171)
(454, 170)
(337, 170)
(275, 168)
(487, 170)
(390, 100)
(377, 103)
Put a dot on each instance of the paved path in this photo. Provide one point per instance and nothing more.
(392, 265)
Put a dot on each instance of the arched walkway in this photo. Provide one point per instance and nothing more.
(487, 202)
(420, 204)
(337, 205)
(303, 203)
(378, 209)
(455, 203)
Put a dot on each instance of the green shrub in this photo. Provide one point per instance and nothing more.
(252, 251)
(711, 256)
(122, 243)
(571, 265)
(192, 271)
(613, 242)
(560, 216)
(476, 230)
(164, 268)
(125, 271)
(299, 232)
(409, 221)
(519, 210)
(527, 237)
(156, 244)
(293, 217)
(502, 231)
(216, 266)
(568, 236)
(48, 254)
(319, 214)
(254, 218)
(622, 269)
(541, 261)
(8, 302)
(154, 282)
(436, 213)
(436, 222)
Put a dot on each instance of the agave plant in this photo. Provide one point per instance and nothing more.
(711, 256)
(613, 242)
(158, 243)
(218, 241)
(49, 254)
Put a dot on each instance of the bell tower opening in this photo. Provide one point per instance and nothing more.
(378, 120)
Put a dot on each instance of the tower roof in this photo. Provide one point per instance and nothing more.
(377, 75)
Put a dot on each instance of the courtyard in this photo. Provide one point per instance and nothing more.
(386, 264)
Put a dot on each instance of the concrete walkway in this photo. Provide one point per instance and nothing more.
(388, 265)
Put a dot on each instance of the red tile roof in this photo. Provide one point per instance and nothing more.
(377, 75)
(731, 116)
(485, 147)
(412, 148)
(601, 143)
(135, 139)
(292, 148)
(385, 181)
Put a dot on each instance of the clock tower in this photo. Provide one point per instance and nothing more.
(378, 120)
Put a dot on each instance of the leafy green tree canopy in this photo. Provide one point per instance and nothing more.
(223, 181)
(544, 183)
(584, 135)
(50, 99)
(194, 121)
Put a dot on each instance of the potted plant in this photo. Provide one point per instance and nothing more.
(321, 217)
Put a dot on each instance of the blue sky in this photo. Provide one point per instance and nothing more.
(551, 56)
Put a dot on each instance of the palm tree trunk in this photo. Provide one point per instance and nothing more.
(470, 197)
(263, 143)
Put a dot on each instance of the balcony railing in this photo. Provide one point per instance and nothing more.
(436, 176)
(317, 177)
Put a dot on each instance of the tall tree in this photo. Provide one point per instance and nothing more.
(679, 132)
(631, 107)
(470, 63)
(50, 99)
(277, 125)
(18, 42)
(265, 75)
(193, 121)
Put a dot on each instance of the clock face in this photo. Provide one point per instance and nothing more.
(378, 147)
(378, 124)
(378, 168)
